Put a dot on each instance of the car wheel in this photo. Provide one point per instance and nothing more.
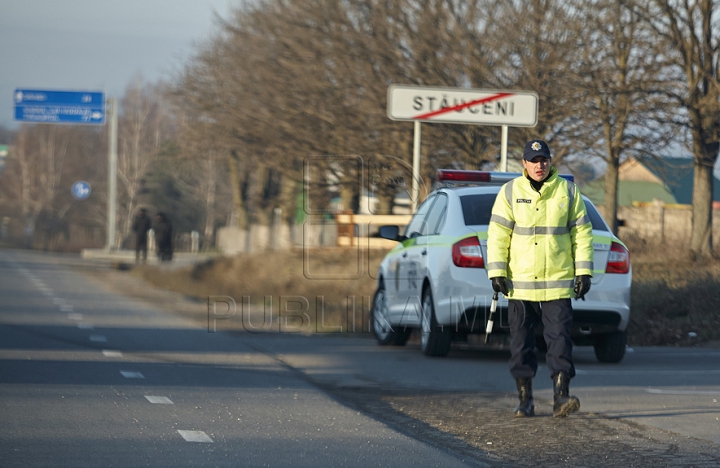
(611, 347)
(384, 332)
(435, 339)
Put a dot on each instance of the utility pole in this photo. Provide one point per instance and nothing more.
(112, 175)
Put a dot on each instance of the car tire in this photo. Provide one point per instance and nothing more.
(385, 333)
(434, 339)
(611, 347)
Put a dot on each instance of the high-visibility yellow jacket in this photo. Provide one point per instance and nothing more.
(539, 241)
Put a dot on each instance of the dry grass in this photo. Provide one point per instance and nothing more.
(333, 281)
(672, 297)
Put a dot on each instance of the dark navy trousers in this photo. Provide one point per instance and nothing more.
(523, 318)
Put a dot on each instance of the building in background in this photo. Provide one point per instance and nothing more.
(663, 180)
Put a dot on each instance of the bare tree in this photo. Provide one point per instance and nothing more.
(144, 126)
(622, 86)
(688, 41)
(43, 164)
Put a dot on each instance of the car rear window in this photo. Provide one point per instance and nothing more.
(595, 218)
(477, 210)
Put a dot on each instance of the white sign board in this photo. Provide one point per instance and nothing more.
(462, 106)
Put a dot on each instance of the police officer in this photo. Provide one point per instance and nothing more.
(540, 255)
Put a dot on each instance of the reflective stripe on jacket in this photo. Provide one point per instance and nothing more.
(540, 241)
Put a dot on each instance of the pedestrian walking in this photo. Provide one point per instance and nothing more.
(140, 226)
(163, 237)
(540, 255)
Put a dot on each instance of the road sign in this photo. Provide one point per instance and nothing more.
(81, 190)
(462, 106)
(71, 107)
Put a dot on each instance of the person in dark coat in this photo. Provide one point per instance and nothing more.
(163, 237)
(140, 226)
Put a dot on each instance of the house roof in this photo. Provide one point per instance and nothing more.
(678, 175)
(629, 191)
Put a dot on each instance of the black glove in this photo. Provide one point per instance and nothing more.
(582, 286)
(499, 284)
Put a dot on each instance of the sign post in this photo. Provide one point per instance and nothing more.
(460, 106)
(112, 175)
(78, 108)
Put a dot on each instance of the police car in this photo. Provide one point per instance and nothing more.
(435, 278)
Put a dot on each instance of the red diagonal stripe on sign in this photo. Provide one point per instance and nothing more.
(445, 110)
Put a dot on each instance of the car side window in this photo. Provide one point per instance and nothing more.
(595, 219)
(417, 223)
(435, 215)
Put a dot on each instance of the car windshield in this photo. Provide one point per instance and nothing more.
(478, 208)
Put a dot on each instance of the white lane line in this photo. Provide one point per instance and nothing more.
(58, 301)
(195, 436)
(110, 353)
(132, 375)
(98, 338)
(66, 308)
(47, 292)
(75, 316)
(86, 326)
(681, 392)
(159, 400)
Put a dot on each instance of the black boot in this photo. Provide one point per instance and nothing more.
(526, 407)
(564, 403)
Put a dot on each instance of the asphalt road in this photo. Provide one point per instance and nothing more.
(92, 379)
(89, 377)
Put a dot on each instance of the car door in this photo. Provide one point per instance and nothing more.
(417, 258)
(405, 271)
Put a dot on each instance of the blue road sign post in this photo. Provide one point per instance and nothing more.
(81, 190)
(69, 107)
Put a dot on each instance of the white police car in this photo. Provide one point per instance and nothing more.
(435, 278)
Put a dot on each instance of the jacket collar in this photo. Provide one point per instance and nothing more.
(552, 177)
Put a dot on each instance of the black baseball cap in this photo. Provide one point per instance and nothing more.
(536, 148)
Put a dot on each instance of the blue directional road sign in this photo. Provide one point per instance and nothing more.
(71, 107)
(81, 190)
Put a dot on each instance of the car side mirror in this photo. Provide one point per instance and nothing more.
(391, 232)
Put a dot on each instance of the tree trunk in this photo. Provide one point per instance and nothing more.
(611, 193)
(240, 218)
(701, 238)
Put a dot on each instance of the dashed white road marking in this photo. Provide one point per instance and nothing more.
(111, 353)
(159, 400)
(682, 392)
(58, 301)
(132, 375)
(86, 326)
(195, 436)
(98, 338)
(66, 308)
(75, 316)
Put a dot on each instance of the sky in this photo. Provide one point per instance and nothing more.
(98, 45)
